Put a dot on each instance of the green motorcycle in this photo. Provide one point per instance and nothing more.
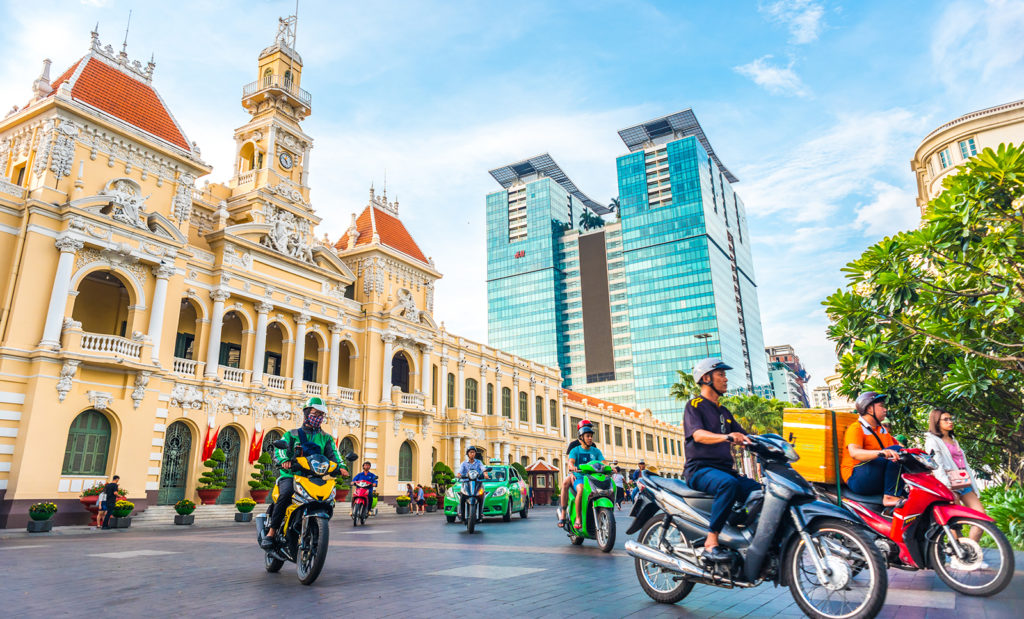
(597, 516)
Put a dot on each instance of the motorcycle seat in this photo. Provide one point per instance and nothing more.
(675, 486)
(874, 499)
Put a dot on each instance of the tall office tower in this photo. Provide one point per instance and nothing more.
(623, 306)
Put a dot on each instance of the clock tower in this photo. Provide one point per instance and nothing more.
(272, 151)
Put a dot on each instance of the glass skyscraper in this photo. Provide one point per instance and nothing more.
(668, 283)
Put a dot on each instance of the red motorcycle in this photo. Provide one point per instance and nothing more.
(362, 497)
(930, 531)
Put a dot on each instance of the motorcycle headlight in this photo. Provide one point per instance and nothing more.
(473, 474)
(501, 491)
(300, 493)
(320, 467)
(927, 461)
(450, 493)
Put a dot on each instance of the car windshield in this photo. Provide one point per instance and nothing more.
(496, 474)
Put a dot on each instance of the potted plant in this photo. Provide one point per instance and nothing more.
(184, 508)
(213, 480)
(403, 504)
(244, 506)
(431, 500)
(120, 516)
(343, 485)
(40, 514)
(263, 479)
(555, 494)
(442, 478)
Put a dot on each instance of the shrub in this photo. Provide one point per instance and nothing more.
(214, 478)
(123, 508)
(42, 511)
(98, 488)
(263, 478)
(442, 478)
(184, 507)
(1005, 504)
(245, 505)
(431, 499)
(403, 500)
(521, 470)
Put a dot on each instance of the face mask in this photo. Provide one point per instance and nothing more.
(314, 419)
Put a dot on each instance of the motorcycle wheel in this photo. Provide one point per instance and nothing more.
(575, 539)
(470, 519)
(508, 512)
(362, 522)
(605, 524)
(311, 560)
(273, 565)
(857, 586)
(660, 584)
(450, 519)
(989, 566)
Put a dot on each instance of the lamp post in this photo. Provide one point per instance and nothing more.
(705, 337)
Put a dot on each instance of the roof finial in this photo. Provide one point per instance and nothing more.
(124, 46)
(385, 196)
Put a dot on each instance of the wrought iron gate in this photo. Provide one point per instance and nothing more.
(174, 469)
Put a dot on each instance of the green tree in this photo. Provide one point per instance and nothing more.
(686, 388)
(442, 477)
(590, 220)
(932, 316)
(520, 469)
(757, 415)
(214, 477)
(264, 477)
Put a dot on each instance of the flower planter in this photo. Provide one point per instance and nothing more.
(431, 508)
(209, 497)
(39, 516)
(120, 523)
(402, 509)
(246, 517)
(340, 494)
(260, 496)
(184, 518)
(39, 526)
(89, 503)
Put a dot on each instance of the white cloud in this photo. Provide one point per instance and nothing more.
(977, 47)
(777, 80)
(804, 18)
(893, 209)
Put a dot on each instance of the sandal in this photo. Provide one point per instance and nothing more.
(561, 523)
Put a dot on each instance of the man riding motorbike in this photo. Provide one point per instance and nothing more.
(312, 439)
(870, 462)
(567, 482)
(369, 477)
(584, 453)
(709, 430)
(471, 464)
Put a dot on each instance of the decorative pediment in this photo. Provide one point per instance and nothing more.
(161, 226)
(126, 203)
(324, 258)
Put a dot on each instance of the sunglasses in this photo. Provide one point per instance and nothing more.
(949, 418)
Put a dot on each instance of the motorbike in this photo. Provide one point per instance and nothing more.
(782, 534)
(597, 496)
(471, 500)
(930, 531)
(362, 492)
(303, 537)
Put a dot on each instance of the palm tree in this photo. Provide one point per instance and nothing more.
(589, 220)
(686, 388)
(756, 414)
(614, 206)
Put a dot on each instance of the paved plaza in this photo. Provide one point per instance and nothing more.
(396, 566)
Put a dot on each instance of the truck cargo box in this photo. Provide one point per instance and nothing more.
(809, 430)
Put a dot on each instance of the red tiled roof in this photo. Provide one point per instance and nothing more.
(591, 400)
(541, 466)
(123, 97)
(390, 229)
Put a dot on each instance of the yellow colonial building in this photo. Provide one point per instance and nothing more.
(141, 312)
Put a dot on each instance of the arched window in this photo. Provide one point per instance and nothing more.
(348, 446)
(400, 372)
(525, 461)
(490, 398)
(451, 390)
(538, 413)
(405, 462)
(553, 413)
(506, 402)
(524, 403)
(88, 445)
(471, 389)
(268, 446)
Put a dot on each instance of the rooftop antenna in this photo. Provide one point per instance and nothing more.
(124, 46)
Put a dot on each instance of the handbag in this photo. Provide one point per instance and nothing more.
(959, 478)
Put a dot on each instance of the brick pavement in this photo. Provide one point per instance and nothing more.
(396, 567)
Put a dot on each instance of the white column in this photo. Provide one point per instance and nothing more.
(162, 272)
(460, 386)
(260, 349)
(426, 375)
(385, 382)
(496, 451)
(443, 387)
(332, 366)
(216, 324)
(59, 293)
(301, 320)
(519, 453)
(532, 404)
(305, 164)
(508, 453)
(271, 154)
(457, 446)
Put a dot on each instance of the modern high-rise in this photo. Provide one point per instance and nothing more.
(796, 378)
(623, 306)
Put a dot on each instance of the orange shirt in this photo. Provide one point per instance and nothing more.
(857, 434)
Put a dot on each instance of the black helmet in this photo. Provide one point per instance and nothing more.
(584, 430)
(472, 448)
(866, 399)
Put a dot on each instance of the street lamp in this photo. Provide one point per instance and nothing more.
(705, 337)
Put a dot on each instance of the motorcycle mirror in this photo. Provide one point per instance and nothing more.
(352, 457)
(280, 444)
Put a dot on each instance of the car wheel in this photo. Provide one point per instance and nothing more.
(505, 517)
(450, 519)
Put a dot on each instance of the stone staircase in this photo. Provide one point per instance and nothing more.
(164, 514)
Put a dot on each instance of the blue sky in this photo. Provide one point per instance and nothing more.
(816, 106)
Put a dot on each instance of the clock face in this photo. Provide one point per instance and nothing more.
(286, 161)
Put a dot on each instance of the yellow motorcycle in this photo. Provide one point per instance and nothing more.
(303, 537)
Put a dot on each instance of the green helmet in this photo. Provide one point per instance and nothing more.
(316, 403)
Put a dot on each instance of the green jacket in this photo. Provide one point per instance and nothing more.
(319, 438)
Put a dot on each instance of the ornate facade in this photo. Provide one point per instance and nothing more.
(142, 312)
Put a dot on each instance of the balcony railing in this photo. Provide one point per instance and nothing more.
(412, 399)
(347, 394)
(246, 177)
(111, 344)
(317, 389)
(279, 82)
(233, 375)
(279, 383)
(185, 367)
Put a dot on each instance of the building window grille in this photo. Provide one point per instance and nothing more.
(553, 413)
(471, 390)
(506, 402)
(524, 404)
(490, 399)
(451, 390)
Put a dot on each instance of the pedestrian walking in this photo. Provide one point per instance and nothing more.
(620, 487)
(420, 500)
(110, 499)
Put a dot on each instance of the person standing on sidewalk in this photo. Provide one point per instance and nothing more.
(620, 487)
(420, 500)
(109, 496)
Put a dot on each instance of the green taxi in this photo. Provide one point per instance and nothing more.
(505, 492)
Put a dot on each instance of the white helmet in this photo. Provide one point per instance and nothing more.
(707, 365)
